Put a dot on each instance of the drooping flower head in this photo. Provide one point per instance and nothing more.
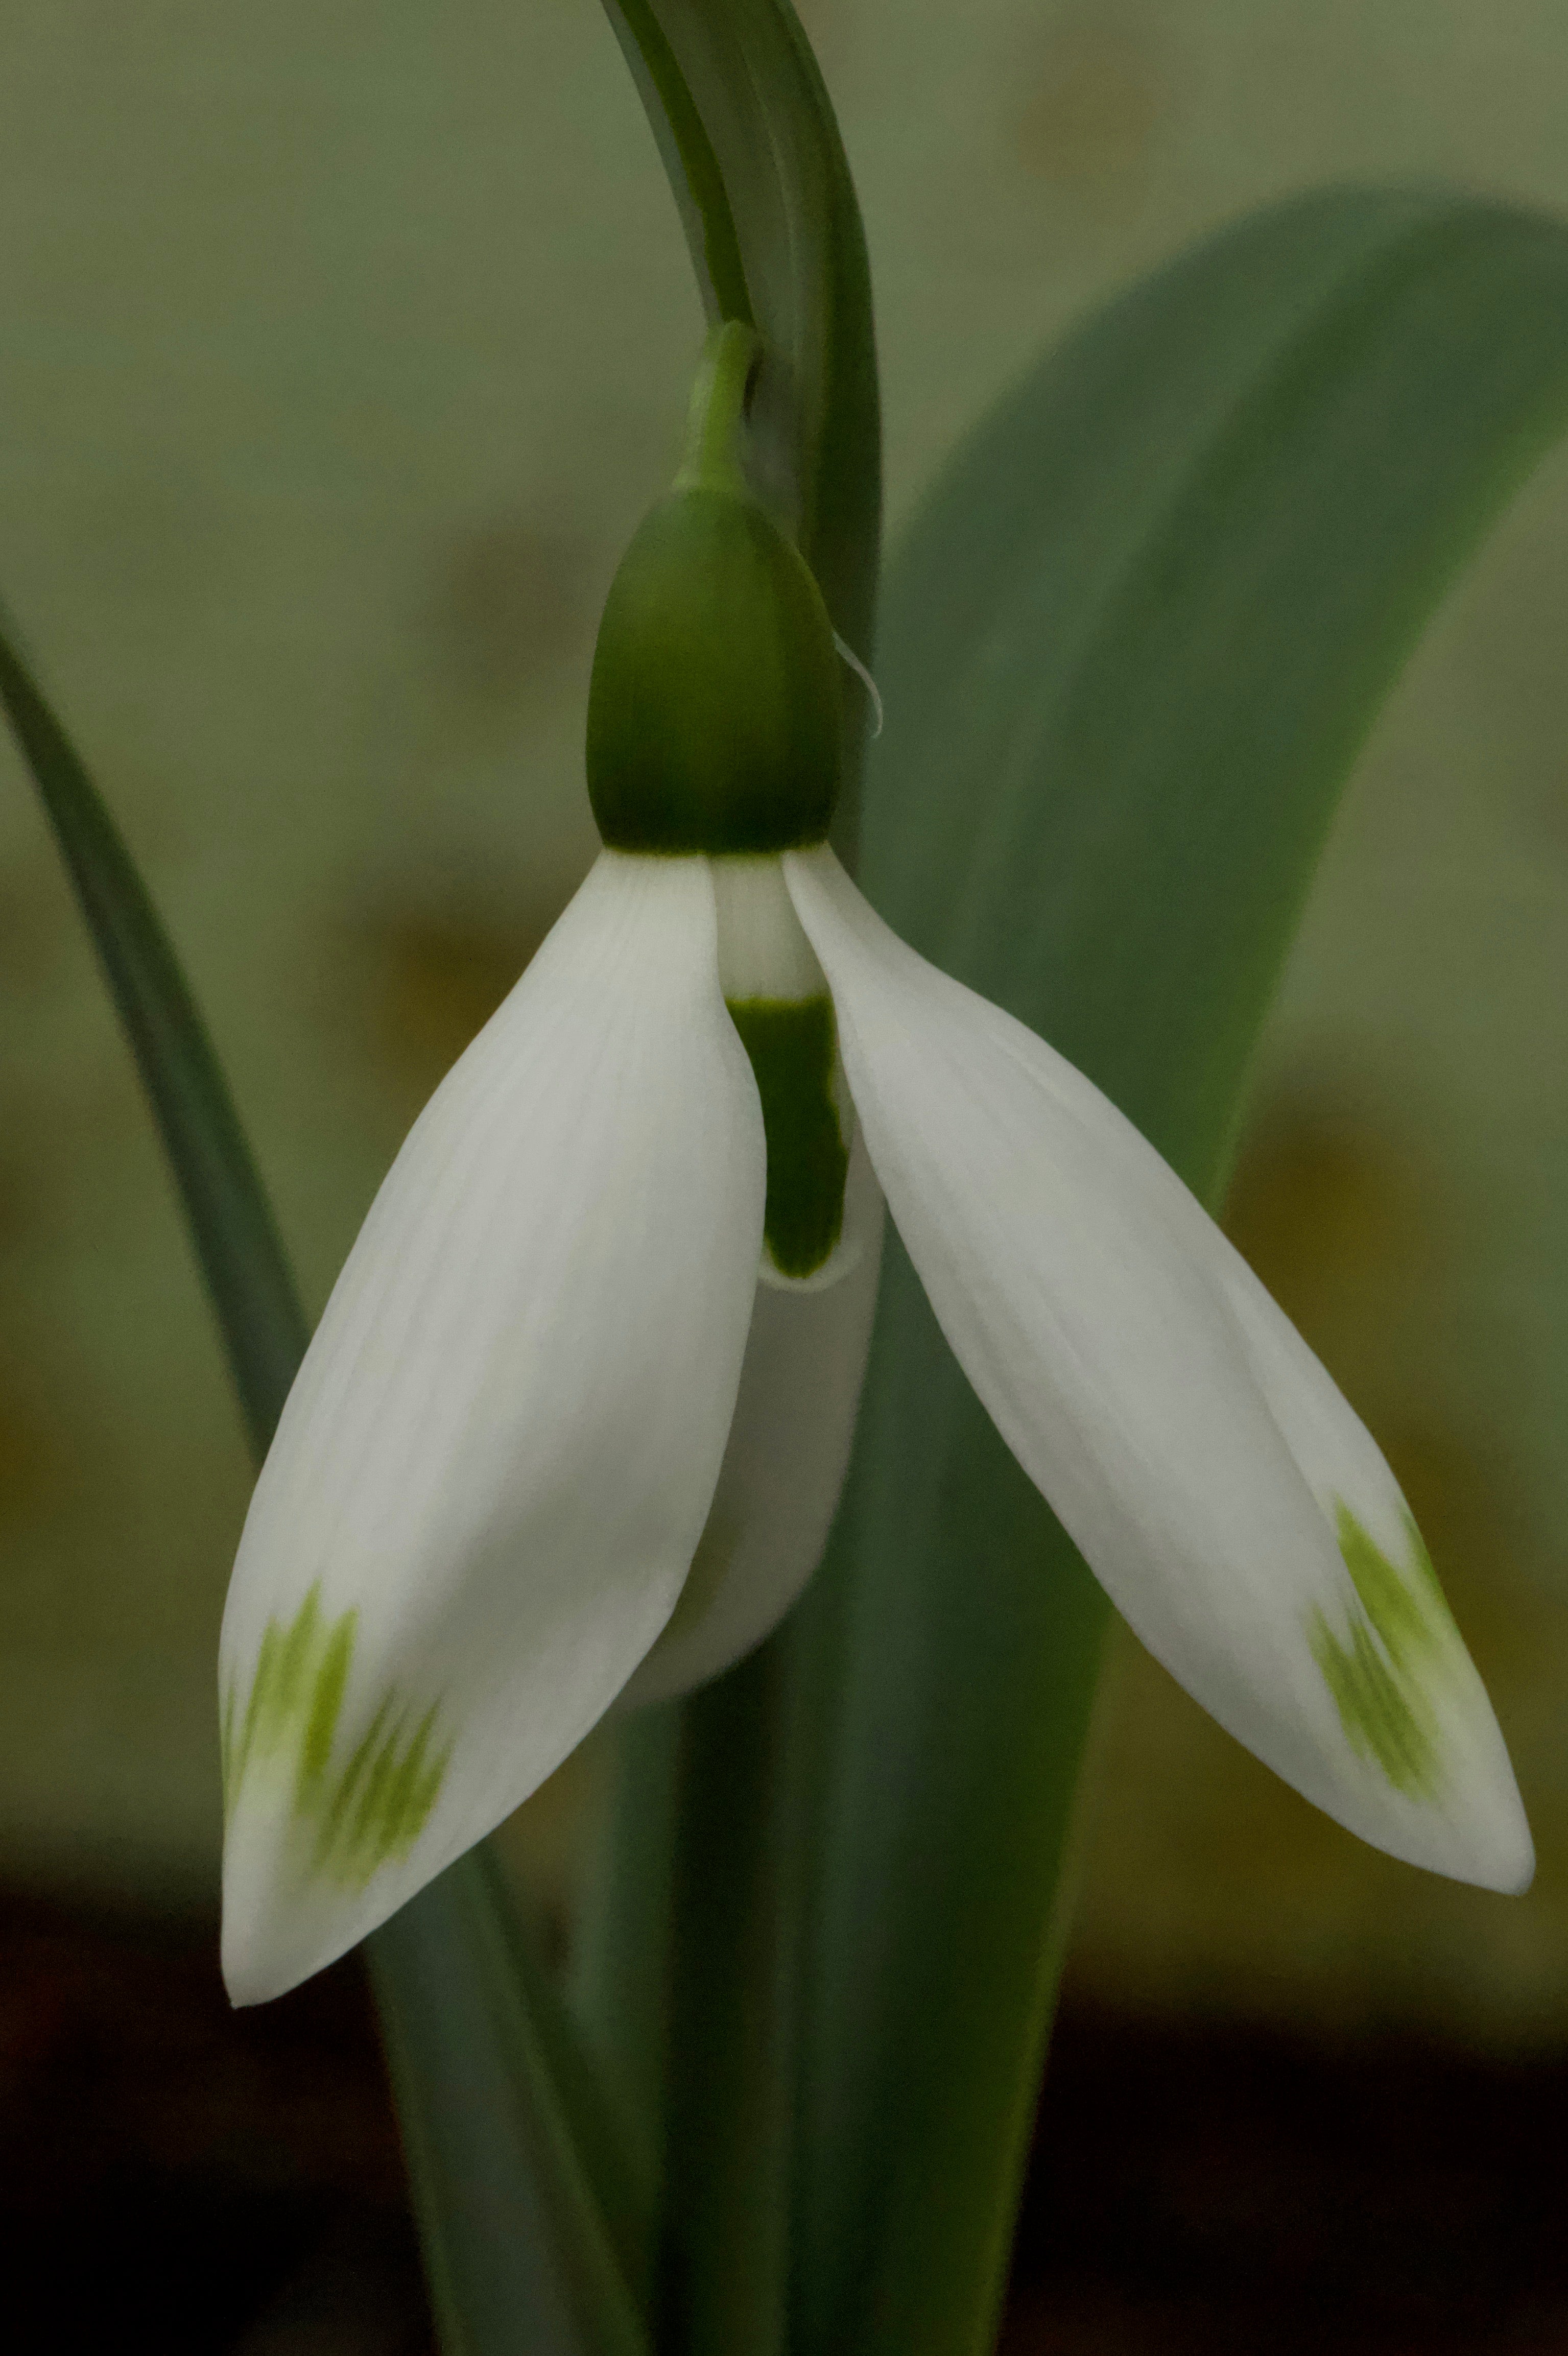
(574, 1420)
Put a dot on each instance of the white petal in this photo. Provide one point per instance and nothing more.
(1192, 1446)
(784, 1467)
(500, 1454)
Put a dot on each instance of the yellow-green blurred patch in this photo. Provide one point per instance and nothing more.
(424, 982)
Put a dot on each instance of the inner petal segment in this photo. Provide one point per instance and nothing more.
(779, 999)
(792, 1044)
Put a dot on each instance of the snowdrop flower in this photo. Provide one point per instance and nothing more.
(575, 1418)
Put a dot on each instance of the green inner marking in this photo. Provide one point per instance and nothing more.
(373, 1806)
(1377, 1671)
(790, 1043)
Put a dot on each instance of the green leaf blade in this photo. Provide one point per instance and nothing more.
(519, 2256)
(1243, 596)
(1130, 651)
(537, 2260)
(231, 1225)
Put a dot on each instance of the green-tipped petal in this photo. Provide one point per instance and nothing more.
(1235, 1509)
(490, 1476)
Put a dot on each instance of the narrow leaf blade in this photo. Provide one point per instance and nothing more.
(231, 1225)
(519, 2256)
(465, 2004)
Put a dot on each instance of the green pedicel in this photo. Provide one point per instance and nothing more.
(374, 1807)
(790, 1043)
(1376, 1672)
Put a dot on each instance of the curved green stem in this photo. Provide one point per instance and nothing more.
(716, 415)
(689, 158)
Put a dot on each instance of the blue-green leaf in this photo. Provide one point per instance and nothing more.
(1130, 648)
(230, 1221)
(520, 2255)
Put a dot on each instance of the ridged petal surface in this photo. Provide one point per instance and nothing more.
(785, 1463)
(491, 1473)
(1235, 1509)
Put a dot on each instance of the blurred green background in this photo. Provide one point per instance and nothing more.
(340, 350)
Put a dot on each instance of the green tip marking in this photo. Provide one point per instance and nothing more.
(790, 1043)
(1378, 1670)
(360, 1811)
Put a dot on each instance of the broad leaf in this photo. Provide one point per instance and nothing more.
(1129, 650)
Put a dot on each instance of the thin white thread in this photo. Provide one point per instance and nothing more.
(848, 655)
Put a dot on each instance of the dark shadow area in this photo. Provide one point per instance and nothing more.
(211, 2183)
(179, 2176)
(1225, 2190)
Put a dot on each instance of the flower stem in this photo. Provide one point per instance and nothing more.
(734, 1995)
(717, 413)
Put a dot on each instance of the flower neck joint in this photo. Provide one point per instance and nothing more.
(713, 710)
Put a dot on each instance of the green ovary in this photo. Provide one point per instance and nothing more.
(357, 1812)
(790, 1043)
(1378, 1671)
